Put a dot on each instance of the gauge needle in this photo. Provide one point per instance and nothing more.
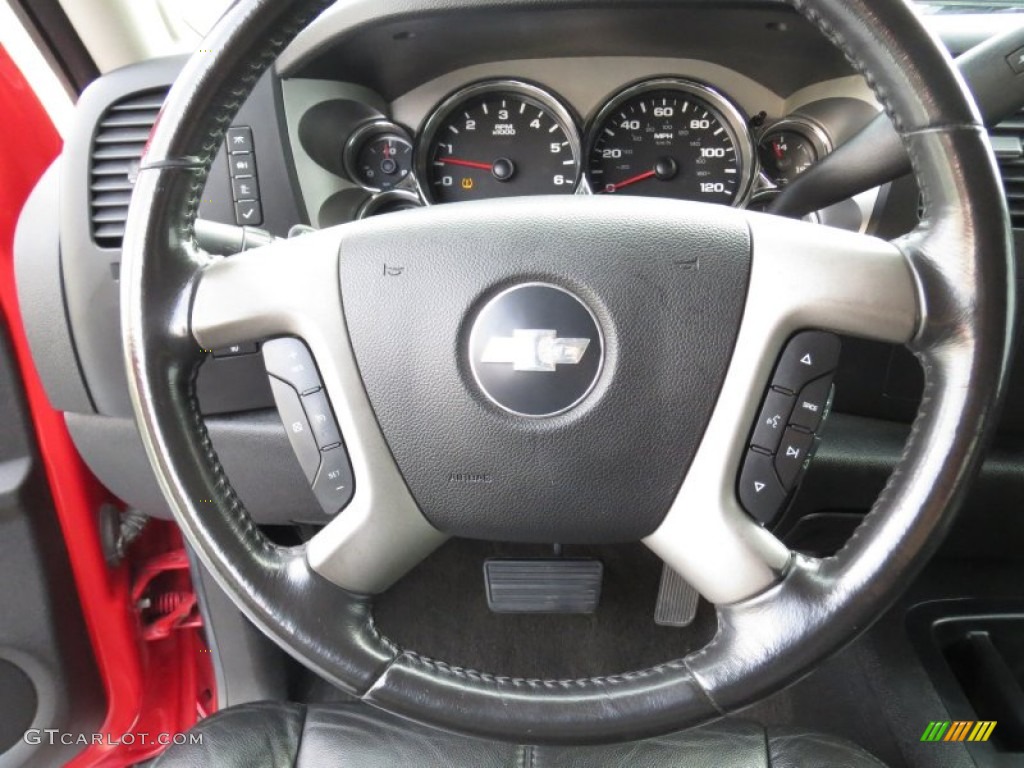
(777, 149)
(631, 180)
(465, 163)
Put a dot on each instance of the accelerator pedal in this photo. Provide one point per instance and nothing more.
(677, 600)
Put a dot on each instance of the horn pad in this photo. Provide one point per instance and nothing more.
(544, 369)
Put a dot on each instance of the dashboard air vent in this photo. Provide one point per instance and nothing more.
(1008, 143)
(116, 150)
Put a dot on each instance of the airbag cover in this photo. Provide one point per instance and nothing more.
(665, 282)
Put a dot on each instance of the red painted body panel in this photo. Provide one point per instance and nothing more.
(152, 687)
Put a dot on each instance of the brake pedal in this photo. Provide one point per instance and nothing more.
(543, 585)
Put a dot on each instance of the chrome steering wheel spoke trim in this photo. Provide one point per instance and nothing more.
(291, 288)
(802, 276)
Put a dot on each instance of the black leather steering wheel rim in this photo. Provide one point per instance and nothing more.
(960, 256)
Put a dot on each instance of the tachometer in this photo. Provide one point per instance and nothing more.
(671, 138)
(498, 139)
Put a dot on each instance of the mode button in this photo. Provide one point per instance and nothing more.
(289, 360)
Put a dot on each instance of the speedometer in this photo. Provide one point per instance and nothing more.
(498, 139)
(671, 138)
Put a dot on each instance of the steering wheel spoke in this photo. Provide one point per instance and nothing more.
(802, 276)
(808, 276)
(291, 288)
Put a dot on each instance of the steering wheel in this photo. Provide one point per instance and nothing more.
(690, 305)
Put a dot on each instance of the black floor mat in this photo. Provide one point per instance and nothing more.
(440, 610)
(874, 692)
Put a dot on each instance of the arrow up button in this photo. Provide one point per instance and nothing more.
(808, 356)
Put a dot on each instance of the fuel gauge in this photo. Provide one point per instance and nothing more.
(378, 156)
(790, 147)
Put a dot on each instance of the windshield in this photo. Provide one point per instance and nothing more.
(188, 21)
(971, 6)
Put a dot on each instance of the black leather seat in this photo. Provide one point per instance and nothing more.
(275, 735)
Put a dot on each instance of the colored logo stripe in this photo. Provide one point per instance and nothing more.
(982, 731)
(958, 730)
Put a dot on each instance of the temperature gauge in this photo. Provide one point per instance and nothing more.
(789, 148)
(378, 156)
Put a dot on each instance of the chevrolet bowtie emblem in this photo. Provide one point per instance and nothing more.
(533, 349)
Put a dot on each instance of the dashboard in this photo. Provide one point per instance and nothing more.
(381, 107)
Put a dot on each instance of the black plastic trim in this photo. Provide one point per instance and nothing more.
(91, 273)
(412, 41)
(253, 446)
(91, 286)
(44, 314)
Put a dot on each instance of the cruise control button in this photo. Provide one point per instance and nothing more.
(808, 356)
(810, 404)
(318, 410)
(760, 491)
(299, 433)
(334, 485)
(793, 452)
(239, 139)
(771, 422)
(290, 361)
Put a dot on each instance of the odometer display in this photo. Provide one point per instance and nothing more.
(670, 138)
(499, 139)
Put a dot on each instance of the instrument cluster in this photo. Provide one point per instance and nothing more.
(662, 137)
